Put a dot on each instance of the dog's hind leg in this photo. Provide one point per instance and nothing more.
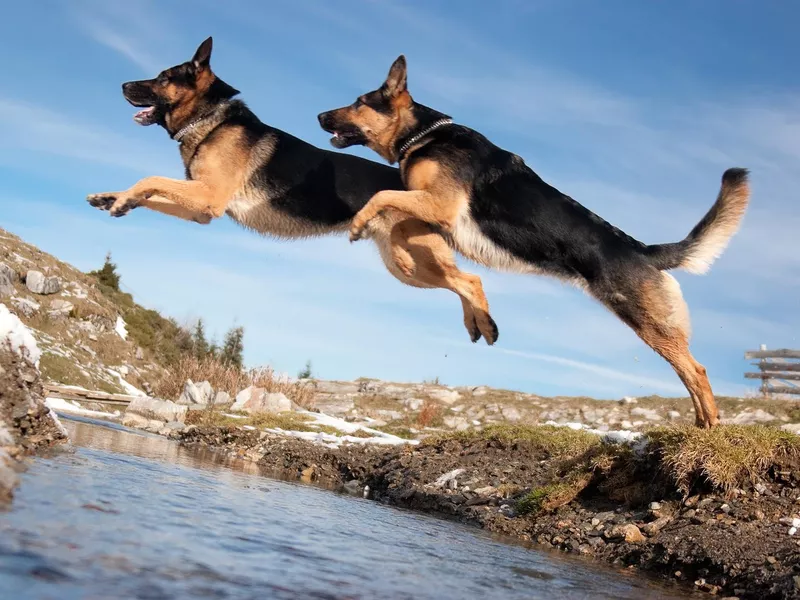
(426, 260)
(654, 308)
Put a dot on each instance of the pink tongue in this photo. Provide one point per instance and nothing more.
(143, 116)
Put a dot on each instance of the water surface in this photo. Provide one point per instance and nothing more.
(128, 515)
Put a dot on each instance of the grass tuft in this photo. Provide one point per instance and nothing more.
(554, 441)
(724, 457)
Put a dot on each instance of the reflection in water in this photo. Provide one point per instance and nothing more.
(137, 516)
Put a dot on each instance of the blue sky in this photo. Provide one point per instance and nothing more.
(633, 108)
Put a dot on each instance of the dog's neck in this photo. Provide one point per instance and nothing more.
(427, 121)
(202, 116)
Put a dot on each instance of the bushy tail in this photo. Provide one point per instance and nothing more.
(707, 241)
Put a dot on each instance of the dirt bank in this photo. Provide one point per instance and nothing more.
(712, 510)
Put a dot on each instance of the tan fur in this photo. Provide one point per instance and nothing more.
(733, 201)
(664, 326)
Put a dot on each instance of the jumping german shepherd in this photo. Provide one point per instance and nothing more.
(498, 212)
(277, 184)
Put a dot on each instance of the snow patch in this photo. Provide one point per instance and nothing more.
(120, 328)
(19, 337)
(333, 441)
(65, 406)
(347, 427)
(131, 390)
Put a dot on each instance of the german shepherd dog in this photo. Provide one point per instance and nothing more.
(496, 211)
(277, 184)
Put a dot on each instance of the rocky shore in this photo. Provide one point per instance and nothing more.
(27, 425)
(715, 511)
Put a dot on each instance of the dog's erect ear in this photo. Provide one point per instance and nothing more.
(202, 57)
(396, 81)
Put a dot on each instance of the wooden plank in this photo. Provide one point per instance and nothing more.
(782, 353)
(784, 390)
(773, 375)
(69, 393)
(777, 366)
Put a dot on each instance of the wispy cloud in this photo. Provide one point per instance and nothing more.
(134, 29)
(36, 128)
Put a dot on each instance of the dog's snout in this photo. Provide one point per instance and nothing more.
(322, 118)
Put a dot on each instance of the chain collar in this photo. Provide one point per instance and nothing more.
(187, 128)
(417, 137)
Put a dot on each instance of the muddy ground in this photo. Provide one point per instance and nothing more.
(736, 544)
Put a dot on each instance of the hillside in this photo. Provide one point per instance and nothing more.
(90, 335)
(96, 337)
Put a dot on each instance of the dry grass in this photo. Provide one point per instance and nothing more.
(430, 414)
(724, 457)
(213, 418)
(230, 379)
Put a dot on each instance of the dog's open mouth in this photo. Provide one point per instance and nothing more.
(146, 116)
(343, 139)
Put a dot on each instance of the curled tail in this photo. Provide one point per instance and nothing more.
(711, 235)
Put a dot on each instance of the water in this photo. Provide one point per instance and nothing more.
(136, 516)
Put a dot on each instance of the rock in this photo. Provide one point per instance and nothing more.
(8, 476)
(196, 393)
(673, 415)
(629, 400)
(511, 414)
(414, 403)
(257, 400)
(651, 529)
(39, 284)
(222, 398)
(647, 413)
(60, 309)
(486, 491)
(139, 353)
(790, 427)
(154, 409)
(172, 428)
(456, 422)
(352, 487)
(8, 277)
(25, 306)
(337, 387)
(752, 417)
(445, 395)
(689, 514)
(630, 533)
(443, 480)
(761, 488)
(481, 390)
(655, 506)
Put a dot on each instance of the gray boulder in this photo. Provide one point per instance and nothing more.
(196, 393)
(25, 306)
(222, 398)
(8, 277)
(60, 309)
(153, 409)
(38, 283)
(257, 400)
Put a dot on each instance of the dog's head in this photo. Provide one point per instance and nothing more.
(376, 119)
(179, 93)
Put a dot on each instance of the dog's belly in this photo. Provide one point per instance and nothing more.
(256, 212)
(470, 241)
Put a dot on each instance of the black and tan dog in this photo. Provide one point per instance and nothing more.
(500, 213)
(277, 184)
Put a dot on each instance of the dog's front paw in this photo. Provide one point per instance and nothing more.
(102, 201)
(358, 227)
(123, 206)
